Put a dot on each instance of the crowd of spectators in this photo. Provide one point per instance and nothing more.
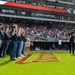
(43, 33)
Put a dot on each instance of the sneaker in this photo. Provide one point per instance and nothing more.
(22, 55)
(19, 57)
(15, 58)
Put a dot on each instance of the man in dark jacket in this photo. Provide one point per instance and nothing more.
(1, 38)
(72, 42)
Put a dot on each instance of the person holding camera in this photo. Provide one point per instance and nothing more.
(20, 43)
(24, 42)
(1, 38)
(14, 42)
(5, 41)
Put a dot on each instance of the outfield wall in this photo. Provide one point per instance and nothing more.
(47, 45)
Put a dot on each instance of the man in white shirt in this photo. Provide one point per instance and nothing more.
(60, 44)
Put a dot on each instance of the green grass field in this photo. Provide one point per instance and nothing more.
(65, 65)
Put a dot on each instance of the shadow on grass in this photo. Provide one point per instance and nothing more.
(5, 63)
(72, 54)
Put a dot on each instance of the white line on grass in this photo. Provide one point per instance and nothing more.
(58, 58)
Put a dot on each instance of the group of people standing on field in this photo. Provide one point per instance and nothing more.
(15, 38)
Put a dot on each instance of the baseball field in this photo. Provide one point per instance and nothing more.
(40, 63)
